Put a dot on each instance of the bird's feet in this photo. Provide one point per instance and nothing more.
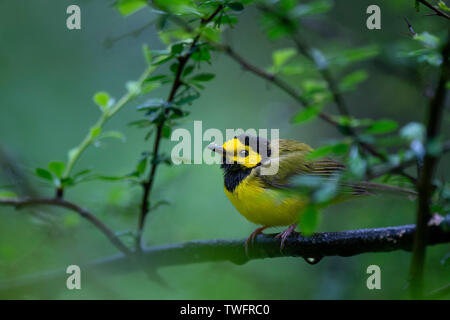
(252, 237)
(285, 234)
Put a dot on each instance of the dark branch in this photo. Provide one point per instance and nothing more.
(20, 203)
(344, 244)
(436, 10)
(424, 185)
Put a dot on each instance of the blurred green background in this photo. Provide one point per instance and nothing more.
(48, 77)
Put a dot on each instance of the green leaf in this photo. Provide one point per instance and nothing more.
(235, 6)
(309, 220)
(142, 165)
(350, 81)
(102, 100)
(166, 132)
(57, 167)
(177, 48)
(7, 195)
(203, 77)
(443, 6)
(95, 132)
(113, 134)
(147, 53)
(338, 148)
(357, 54)
(281, 56)
(127, 7)
(307, 114)
(382, 126)
(44, 174)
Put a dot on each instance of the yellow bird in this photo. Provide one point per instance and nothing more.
(262, 198)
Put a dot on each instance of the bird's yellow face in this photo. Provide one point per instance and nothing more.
(237, 153)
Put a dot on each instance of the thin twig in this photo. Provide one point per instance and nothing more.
(436, 10)
(312, 249)
(20, 203)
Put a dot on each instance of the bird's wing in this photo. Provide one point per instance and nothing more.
(292, 161)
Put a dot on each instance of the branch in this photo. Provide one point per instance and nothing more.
(20, 203)
(271, 78)
(148, 184)
(434, 119)
(436, 10)
(344, 244)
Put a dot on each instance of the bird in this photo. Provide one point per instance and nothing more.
(271, 200)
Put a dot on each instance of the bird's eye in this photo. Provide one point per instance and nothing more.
(243, 153)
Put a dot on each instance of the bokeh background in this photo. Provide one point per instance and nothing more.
(48, 77)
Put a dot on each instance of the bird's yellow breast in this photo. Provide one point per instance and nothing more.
(264, 206)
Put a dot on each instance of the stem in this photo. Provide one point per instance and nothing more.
(424, 188)
(20, 203)
(88, 140)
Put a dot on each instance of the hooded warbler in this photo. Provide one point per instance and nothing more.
(262, 198)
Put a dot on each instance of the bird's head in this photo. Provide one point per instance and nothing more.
(243, 152)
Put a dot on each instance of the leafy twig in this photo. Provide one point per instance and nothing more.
(106, 115)
(148, 184)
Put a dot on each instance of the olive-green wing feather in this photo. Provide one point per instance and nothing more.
(293, 162)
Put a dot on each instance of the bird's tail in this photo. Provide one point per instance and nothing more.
(371, 188)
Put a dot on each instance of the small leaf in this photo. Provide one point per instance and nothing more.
(127, 7)
(351, 80)
(338, 148)
(280, 57)
(177, 48)
(57, 167)
(147, 53)
(382, 126)
(307, 114)
(95, 132)
(443, 6)
(309, 220)
(102, 100)
(235, 6)
(7, 195)
(142, 165)
(203, 77)
(44, 174)
(113, 134)
(166, 132)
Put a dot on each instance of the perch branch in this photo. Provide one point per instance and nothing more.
(344, 244)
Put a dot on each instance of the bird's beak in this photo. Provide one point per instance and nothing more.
(216, 148)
